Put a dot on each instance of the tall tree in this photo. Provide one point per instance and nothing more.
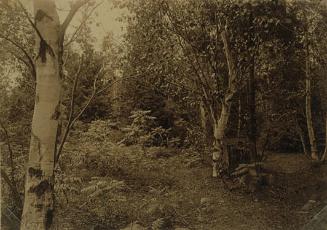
(312, 33)
(38, 203)
(308, 100)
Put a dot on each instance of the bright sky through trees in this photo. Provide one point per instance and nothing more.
(105, 18)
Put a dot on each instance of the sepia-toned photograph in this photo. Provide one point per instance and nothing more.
(163, 114)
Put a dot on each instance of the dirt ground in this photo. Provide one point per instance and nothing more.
(176, 186)
(181, 190)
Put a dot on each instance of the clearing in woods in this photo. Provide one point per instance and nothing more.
(175, 185)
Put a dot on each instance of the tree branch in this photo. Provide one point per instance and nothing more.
(11, 183)
(72, 120)
(71, 112)
(29, 58)
(12, 187)
(231, 68)
(201, 77)
(82, 23)
(74, 8)
(30, 20)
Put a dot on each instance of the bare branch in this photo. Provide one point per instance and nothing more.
(31, 69)
(201, 77)
(232, 72)
(20, 58)
(74, 8)
(204, 87)
(71, 112)
(13, 189)
(180, 35)
(30, 20)
(95, 92)
(110, 84)
(72, 120)
(11, 183)
(29, 58)
(65, 59)
(73, 37)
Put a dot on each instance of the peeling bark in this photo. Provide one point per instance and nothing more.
(220, 162)
(38, 202)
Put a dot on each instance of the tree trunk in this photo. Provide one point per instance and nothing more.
(302, 138)
(220, 161)
(308, 109)
(252, 124)
(38, 203)
(323, 158)
(323, 97)
(205, 122)
(221, 125)
(239, 118)
(203, 117)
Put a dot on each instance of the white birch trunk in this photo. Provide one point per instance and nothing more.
(308, 111)
(218, 145)
(221, 126)
(308, 102)
(38, 203)
(304, 147)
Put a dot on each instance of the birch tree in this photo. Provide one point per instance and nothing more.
(308, 100)
(213, 47)
(220, 47)
(38, 203)
(312, 36)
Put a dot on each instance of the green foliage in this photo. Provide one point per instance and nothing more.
(173, 44)
(143, 130)
(139, 131)
(160, 137)
(98, 186)
(171, 61)
(99, 178)
(99, 130)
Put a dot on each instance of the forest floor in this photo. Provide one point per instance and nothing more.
(103, 185)
(174, 187)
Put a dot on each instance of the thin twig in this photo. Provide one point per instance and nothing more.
(72, 120)
(29, 58)
(75, 7)
(73, 37)
(13, 189)
(71, 113)
(30, 20)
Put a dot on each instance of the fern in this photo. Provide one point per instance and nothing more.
(97, 186)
